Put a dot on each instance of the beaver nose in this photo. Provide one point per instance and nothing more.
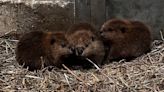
(72, 49)
(100, 32)
(79, 50)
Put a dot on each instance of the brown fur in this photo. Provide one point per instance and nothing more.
(126, 39)
(52, 47)
(83, 39)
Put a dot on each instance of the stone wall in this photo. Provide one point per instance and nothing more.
(26, 15)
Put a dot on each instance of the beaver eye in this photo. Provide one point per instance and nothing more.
(52, 41)
(86, 45)
(63, 44)
(110, 29)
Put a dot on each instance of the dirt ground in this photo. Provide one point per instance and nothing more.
(144, 74)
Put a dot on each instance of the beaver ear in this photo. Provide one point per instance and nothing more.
(52, 41)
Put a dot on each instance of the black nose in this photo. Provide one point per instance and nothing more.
(79, 50)
(100, 32)
(72, 49)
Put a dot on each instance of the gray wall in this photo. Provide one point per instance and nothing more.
(25, 17)
(96, 12)
(149, 11)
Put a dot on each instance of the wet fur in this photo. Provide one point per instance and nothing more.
(38, 48)
(125, 39)
(85, 43)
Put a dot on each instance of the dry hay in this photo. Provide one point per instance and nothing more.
(144, 74)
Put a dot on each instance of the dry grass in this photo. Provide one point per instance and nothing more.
(144, 74)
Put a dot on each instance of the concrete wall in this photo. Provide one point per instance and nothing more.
(32, 15)
(149, 11)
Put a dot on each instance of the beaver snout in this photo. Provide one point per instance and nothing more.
(79, 51)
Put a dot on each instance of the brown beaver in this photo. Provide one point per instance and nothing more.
(85, 43)
(126, 39)
(39, 48)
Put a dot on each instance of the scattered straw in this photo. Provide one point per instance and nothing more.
(161, 33)
(144, 74)
(78, 78)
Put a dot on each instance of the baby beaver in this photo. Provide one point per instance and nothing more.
(39, 48)
(125, 39)
(85, 43)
